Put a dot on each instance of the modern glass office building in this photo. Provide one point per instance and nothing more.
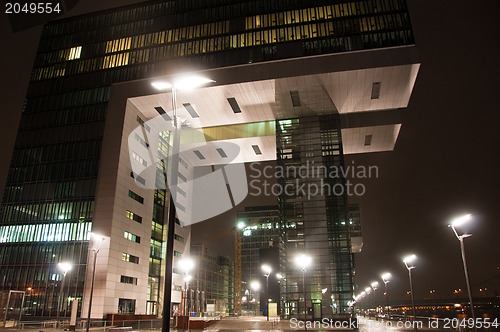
(261, 242)
(212, 286)
(342, 70)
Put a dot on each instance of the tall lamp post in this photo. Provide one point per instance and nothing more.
(303, 261)
(186, 265)
(64, 267)
(457, 223)
(375, 287)
(368, 291)
(97, 241)
(181, 83)
(267, 271)
(255, 286)
(409, 263)
(279, 276)
(386, 278)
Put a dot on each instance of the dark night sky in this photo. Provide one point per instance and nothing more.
(445, 162)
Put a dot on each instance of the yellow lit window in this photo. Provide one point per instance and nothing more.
(115, 60)
(74, 53)
(118, 45)
(58, 72)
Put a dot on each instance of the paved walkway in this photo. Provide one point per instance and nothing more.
(261, 324)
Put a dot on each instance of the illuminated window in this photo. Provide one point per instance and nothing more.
(118, 45)
(74, 53)
(56, 232)
(115, 60)
(132, 237)
(133, 216)
(130, 258)
(59, 71)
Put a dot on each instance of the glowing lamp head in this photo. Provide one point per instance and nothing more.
(303, 261)
(240, 225)
(186, 264)
(386, 277)
(255, 285)
(409, 259)
(374, 285)
(186, 83)
(183, 83)
(97, 240)
(64, 267)
(266, 269)
(457, 222)
(161, 85)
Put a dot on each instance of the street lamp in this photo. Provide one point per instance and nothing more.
(186, 265)
(409, 263)
(386, 278)
(30, 304)
(303, 261)
(375, 287)
(267, 271)
(64, 267)
(457, 222)
(180, 83)
(255, 286)
(279, 276)
(98, 240)
(368, 291)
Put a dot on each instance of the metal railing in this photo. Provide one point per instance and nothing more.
(149, 324)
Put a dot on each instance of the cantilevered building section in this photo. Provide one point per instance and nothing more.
(294, 82)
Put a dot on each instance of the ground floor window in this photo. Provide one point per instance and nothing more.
(151, 308)
(126, 306)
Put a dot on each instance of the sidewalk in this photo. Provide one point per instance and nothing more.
(261, 324)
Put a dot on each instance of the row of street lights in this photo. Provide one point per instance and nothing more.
(302, 261)
(409, 262)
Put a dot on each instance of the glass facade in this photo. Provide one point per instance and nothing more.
(263, 230)
(212, 283)
(307, 148)
(51, 184)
